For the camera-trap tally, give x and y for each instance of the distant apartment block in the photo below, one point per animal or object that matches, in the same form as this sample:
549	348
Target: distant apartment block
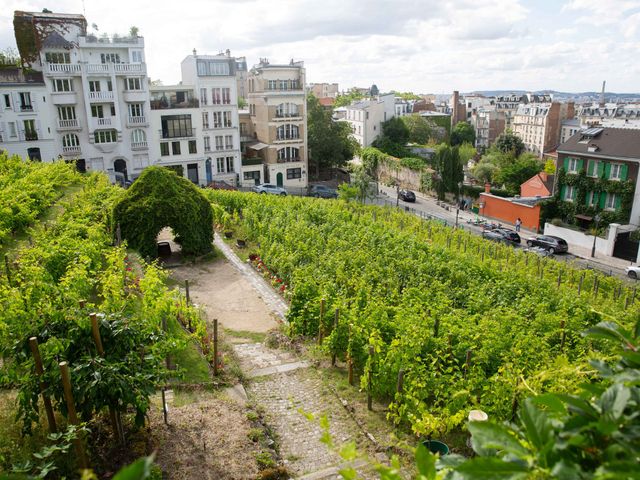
488	125
538	124
324	90
278	114
612	115
366	117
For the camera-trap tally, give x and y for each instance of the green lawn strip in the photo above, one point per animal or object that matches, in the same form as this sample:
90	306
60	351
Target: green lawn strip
245	334
189	359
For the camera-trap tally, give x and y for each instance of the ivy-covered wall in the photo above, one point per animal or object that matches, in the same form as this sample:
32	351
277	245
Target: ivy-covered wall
591	185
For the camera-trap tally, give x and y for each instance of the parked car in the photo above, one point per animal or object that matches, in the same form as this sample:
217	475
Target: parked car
509	236
407	195
632	271
548	242
269	188
492	235
322	191
220	185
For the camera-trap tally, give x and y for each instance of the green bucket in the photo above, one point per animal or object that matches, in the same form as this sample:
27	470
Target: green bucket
435	446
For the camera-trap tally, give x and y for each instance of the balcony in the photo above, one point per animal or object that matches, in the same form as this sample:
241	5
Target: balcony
136	121
135	96
185	133
129	68
165	103
98	68
100	96
70	151
63	98
73	124
63	69
103	122
26	108
289	160
139	146
247	162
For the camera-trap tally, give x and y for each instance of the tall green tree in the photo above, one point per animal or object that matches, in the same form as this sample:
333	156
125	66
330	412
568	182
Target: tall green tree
330	143
421	130
393	138
449	172
519	171
462	133
509	142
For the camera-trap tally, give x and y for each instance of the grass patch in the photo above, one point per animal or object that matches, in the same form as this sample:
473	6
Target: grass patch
256	337
189	360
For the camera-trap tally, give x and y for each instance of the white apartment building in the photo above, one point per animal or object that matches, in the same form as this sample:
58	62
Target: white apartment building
568	129
612	115
277	100
538	125
95	103
366	117
488	124
403	107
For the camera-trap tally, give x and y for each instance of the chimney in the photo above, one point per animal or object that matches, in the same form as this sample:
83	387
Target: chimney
455	107
228	52
602	94
194	52
487	186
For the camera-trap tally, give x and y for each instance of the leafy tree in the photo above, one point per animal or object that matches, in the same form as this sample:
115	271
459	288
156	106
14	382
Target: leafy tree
348	98
550	167
509	142
373	91
421	130
330	143
361	180
393	138
515	174
449	170
467	151
484	172
133	31
463	133
406	95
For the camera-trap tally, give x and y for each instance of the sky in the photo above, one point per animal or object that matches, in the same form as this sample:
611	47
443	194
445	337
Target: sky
422	46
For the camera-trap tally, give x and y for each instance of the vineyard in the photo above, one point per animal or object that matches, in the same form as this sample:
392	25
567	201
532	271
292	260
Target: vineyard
83	324
456	321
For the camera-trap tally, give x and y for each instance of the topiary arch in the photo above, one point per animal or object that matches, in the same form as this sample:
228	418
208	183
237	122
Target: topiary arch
159	198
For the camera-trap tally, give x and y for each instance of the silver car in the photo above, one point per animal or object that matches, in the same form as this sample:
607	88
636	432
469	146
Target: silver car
269	188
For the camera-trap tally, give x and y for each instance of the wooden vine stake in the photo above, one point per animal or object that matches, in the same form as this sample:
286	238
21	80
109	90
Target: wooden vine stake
7	269
72	416
514	403
336	319
370	379
349	359
436	327
35	351
188	299
215	346
118	235
400	383
580	283
563	335
320	324
467	364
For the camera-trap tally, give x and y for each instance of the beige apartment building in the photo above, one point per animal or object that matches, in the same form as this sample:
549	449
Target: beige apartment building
538	125
324	90
278	116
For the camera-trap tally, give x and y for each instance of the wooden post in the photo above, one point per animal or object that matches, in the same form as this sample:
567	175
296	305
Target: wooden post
7	269
467	363
349	359
370	379
633	298
436	327
563	335
118	235
336	318
400	382
82	304
514	403
215	346
596	286
95	331
580	283
71	412
320	323
35	351
559	278
186	287
626	301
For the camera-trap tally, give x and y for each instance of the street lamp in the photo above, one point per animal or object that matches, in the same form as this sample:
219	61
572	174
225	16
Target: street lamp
458	203
595	235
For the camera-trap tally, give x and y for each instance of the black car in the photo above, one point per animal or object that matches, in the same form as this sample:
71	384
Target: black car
407	195
322	191
509	236
548	242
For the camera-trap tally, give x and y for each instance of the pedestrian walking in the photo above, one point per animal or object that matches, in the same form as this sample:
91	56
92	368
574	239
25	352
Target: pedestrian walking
518	224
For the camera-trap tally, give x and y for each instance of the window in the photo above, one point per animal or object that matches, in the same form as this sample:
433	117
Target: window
113	110
229	162
105	136
57	57
136	110
592	199
205	120
228	142
110	58
133	84
216	96
109	86
220	164
255	175
67	113
138	136
70	140
217	119
287	132
25	102
288	154
136	56
175	148
594	168
287	110
192	146
226	119
207	144
226	96
612	201
219	142
212	68
272	84
13	131
30	132
616	171
203	96
34	154
573	165
294	173
174	126
7	100
62	85
569	193
164	149
94	85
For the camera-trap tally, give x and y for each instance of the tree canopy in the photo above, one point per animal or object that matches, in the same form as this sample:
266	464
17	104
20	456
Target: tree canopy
463	133
346	98
158	199
448	170
509	142
330	143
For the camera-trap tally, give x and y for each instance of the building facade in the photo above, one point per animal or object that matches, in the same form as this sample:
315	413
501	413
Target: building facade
488	125
538	125
278	114
367	116
615	115
324	90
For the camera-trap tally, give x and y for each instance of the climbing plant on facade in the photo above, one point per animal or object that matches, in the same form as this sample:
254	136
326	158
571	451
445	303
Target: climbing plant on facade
158	199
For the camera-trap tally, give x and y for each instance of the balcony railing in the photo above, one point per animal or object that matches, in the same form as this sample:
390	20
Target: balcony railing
289	160
100	96
185	133
114	40
138	120
26	108
287	137
104	122
167	103
63	68
64	124
288	115
139	145
96	68
75	149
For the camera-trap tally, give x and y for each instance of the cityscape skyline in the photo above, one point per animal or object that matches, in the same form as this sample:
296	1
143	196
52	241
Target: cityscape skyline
425	47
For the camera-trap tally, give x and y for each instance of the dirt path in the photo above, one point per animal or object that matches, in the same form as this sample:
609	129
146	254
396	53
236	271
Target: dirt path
280	383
